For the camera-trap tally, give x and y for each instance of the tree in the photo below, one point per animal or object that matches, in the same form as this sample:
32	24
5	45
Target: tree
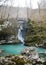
2	4
43	4
30	9
17	10
27	8
39	7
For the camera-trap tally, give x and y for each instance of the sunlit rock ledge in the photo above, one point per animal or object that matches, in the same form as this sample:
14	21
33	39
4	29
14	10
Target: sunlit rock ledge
10	42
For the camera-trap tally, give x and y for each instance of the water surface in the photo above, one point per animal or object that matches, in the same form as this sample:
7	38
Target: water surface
16	49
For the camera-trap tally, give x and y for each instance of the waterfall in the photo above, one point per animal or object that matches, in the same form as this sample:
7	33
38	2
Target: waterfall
20	35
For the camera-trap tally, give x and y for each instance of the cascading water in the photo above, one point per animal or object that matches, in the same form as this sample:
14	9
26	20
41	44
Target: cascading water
20	35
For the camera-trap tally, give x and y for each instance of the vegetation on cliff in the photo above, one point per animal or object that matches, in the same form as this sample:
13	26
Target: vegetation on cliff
36	33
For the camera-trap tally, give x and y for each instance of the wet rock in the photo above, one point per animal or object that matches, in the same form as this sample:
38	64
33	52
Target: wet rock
31	53
1	50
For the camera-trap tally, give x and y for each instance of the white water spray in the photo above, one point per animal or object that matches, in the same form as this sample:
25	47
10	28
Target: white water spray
20	37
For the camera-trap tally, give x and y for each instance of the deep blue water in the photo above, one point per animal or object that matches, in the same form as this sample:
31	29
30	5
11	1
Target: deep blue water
16	49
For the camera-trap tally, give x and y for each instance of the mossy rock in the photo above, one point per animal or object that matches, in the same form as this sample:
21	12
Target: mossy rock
18	61
35	39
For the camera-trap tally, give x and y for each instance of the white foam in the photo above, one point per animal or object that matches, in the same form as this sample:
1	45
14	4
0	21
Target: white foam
20	37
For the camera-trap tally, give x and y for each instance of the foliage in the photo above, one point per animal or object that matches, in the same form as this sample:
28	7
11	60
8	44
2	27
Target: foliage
37	34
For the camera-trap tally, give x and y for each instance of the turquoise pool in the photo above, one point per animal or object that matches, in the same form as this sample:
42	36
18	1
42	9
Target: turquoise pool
16	49
12	49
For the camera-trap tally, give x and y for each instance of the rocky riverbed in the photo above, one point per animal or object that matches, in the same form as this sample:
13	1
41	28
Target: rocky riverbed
20	60
28	57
